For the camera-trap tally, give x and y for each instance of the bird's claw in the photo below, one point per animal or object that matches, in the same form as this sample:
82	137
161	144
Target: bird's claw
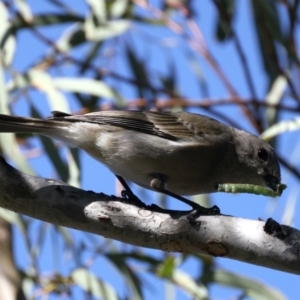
129	197
202	211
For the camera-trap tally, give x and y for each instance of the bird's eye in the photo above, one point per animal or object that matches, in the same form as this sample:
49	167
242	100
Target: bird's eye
263	154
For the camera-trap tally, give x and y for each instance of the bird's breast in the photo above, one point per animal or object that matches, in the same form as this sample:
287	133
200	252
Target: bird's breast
189	167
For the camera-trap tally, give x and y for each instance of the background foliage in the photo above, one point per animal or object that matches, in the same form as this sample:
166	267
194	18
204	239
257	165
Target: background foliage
237	61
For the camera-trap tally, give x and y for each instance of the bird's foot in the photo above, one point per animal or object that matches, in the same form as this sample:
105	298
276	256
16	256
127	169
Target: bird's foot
199	210
131	198
192	215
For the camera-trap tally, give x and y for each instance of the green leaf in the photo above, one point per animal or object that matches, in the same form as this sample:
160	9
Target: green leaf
90	56
187	283
28	284
274	96
93	285
198	72
167	268
138	69
84	85
169	81
14	219
149	21
8	140
136	256
226	9
109	30
96	17
7	40
11	149
67	171
19	81
118	8
24	10
98	11
252	288
51	149
131	278
40	233
44	82
180	279
73	169
281	127
268	30
290	209
202	199
72	37
66	235
45	20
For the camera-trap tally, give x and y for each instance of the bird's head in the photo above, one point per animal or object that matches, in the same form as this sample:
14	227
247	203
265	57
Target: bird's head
260	157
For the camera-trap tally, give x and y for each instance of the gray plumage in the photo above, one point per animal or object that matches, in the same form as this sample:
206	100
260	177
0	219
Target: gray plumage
191	152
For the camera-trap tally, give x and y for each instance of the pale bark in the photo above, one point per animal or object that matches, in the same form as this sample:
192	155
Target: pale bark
56	202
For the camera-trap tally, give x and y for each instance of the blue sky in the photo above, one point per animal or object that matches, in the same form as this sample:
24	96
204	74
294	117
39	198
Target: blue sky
96	177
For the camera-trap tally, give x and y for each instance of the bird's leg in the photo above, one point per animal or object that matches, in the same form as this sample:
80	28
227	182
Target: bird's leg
158	184
128	195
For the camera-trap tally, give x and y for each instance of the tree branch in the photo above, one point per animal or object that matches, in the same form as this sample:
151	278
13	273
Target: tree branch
56	202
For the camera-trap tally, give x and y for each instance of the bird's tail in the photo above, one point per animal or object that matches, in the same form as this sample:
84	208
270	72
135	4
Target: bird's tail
28	125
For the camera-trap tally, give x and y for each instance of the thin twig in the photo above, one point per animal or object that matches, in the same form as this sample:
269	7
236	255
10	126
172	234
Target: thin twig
209	102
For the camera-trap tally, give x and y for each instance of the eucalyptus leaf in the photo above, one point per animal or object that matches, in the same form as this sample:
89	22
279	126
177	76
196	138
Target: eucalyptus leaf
84	85
90	283
98	11
118	8
7	40
290	210
274	96
74	171
71	37
44	82
45	20
24	10
253	289
281	127
8	140
13	218
28	284
188	284
109	30
167	268
131	278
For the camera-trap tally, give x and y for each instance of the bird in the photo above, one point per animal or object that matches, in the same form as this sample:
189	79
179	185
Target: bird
176	153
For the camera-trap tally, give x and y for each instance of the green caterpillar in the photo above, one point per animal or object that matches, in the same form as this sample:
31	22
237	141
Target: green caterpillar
250	189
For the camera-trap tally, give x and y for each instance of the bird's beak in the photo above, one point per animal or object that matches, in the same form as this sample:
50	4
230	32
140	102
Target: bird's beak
272	182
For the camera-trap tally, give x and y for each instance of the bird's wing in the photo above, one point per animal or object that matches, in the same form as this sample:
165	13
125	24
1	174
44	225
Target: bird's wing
171	126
